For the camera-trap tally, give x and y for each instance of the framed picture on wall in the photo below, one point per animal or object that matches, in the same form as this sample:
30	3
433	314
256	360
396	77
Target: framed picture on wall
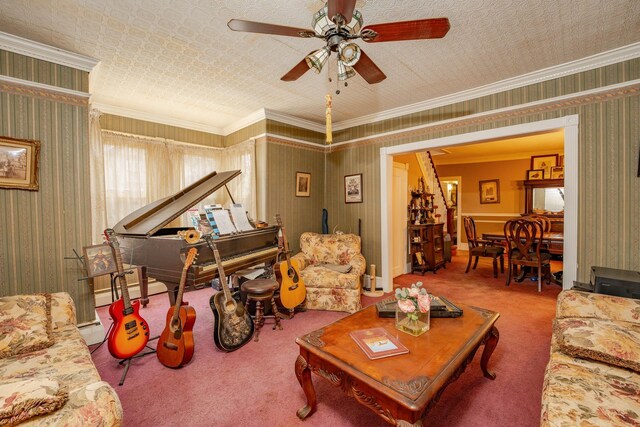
303	184
353	188
98	260
557	172
19	160
535	174
490	191
545	163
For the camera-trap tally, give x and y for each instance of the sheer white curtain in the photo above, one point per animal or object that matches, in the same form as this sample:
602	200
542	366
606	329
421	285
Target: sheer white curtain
96	166
139	170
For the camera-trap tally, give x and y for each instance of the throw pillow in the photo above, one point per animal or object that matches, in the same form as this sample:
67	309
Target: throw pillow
338	267
615	343
24	399
25	324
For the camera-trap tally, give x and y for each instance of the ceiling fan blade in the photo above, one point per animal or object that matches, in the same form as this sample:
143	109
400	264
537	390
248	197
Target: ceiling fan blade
368	69
343	7
408	30
296	72
263	28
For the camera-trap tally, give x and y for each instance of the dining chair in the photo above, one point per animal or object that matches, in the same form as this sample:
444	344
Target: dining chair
482	248
523	238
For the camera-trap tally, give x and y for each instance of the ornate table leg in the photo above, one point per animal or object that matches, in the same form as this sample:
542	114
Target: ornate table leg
490	343
303	373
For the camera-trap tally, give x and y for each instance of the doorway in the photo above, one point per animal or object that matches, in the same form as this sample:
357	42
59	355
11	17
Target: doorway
568	125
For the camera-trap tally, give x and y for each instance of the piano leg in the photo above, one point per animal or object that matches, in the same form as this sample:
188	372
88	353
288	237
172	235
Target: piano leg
143	281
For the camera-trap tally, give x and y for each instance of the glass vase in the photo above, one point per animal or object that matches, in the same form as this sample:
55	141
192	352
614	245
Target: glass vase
416	323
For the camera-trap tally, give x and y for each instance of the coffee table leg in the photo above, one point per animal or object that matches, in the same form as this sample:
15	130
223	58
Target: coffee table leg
303	373
491	341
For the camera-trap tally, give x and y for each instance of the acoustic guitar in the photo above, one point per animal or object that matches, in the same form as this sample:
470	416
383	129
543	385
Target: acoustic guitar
292	289
233	326
130	332
175	345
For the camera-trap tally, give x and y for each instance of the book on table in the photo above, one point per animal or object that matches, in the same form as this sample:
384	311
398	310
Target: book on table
378	343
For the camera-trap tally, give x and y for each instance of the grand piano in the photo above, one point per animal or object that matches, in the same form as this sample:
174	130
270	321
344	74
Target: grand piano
145	240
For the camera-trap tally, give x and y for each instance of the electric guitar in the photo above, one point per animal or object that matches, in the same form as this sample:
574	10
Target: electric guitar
175	345
292	289
233	326
130	332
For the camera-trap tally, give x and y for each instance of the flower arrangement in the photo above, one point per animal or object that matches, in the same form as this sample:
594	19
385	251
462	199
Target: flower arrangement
413	300
414	304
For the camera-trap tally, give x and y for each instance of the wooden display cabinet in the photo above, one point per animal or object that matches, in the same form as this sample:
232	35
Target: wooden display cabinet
426	242
420	209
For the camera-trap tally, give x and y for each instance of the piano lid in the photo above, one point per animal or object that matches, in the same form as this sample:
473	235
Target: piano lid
147	220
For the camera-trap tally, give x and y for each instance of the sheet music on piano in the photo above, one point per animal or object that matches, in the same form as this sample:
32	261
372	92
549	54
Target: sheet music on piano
240	219
223	221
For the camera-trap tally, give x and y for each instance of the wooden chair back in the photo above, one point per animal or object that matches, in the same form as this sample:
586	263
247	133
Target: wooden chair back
523	237
546	222
470	231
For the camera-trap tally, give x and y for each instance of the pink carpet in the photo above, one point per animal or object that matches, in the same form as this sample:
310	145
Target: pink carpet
256	385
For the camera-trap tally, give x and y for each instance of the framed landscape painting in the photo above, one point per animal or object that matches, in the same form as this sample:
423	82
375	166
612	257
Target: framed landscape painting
19	160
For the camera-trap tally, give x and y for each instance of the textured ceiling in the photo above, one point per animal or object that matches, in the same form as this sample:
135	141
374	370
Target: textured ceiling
178	59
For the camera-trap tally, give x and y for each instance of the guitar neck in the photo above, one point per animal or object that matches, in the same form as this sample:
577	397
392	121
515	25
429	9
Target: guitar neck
183	280
124	288
285	243
221	276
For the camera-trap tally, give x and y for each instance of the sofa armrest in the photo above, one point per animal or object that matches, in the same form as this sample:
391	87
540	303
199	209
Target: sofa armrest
358	264
586	304
302	260
63	310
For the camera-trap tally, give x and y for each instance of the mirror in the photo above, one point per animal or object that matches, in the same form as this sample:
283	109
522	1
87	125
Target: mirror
548	199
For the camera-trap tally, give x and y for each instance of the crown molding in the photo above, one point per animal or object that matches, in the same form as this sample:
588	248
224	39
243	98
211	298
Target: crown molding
46	53
43	87
589	63
255	117
154	118
295	121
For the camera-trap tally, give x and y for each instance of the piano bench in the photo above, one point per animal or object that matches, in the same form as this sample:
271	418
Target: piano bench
262	290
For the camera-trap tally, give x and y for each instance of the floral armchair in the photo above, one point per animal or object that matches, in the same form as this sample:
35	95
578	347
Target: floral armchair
331	267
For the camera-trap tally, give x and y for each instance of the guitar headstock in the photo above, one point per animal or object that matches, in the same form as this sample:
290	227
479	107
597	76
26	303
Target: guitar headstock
191	256
110	236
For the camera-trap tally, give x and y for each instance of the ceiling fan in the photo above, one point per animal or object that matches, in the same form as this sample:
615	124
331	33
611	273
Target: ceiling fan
338	23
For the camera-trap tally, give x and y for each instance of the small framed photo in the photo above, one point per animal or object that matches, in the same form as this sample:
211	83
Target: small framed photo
490	191
545	163
353	188
19	160
557	172
303	184
99	260
535	174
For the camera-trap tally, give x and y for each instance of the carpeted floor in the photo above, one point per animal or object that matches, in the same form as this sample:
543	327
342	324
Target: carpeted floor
256	385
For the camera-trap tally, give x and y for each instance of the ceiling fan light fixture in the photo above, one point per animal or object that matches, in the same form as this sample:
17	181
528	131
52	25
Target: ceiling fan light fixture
321	22
317	59
355	24
349	53
344	72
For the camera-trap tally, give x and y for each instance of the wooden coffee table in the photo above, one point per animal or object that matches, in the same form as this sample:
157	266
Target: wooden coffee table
400	389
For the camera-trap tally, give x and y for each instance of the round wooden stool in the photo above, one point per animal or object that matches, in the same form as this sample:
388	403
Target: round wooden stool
260	290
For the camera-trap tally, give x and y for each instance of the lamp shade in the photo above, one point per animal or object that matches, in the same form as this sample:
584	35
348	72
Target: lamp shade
356	22
344	72
317	59
349	53
320	22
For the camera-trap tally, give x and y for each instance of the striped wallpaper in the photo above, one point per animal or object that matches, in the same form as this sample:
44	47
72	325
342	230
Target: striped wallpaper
40	228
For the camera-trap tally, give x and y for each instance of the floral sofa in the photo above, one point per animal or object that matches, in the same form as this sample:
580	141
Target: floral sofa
331	267
47	377
593	375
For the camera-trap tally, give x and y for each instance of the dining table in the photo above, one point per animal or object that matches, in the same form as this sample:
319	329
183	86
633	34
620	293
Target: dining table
551	241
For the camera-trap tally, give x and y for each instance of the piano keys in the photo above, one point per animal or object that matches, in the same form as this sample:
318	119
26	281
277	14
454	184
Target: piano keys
146	240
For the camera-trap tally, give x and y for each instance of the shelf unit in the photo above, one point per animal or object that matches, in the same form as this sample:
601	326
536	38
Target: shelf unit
426	244
420	209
